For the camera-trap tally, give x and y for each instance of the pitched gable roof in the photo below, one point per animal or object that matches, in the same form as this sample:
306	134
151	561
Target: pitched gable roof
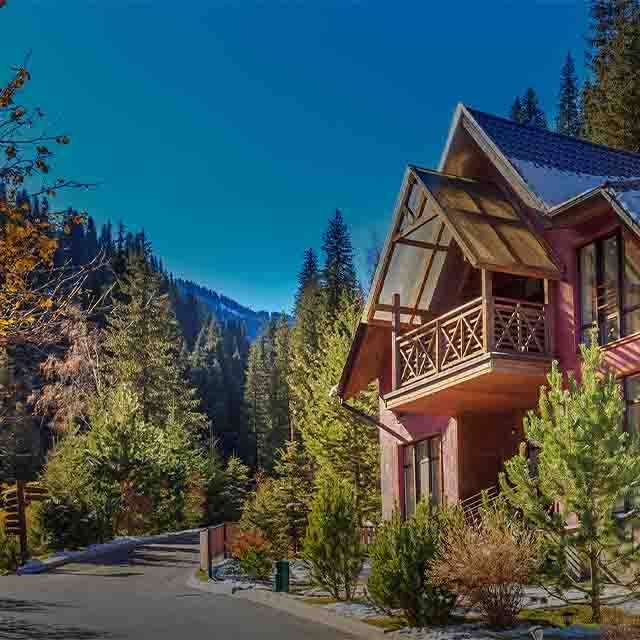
555	167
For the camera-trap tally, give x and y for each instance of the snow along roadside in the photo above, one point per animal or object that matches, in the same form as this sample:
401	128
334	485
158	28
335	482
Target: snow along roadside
125	543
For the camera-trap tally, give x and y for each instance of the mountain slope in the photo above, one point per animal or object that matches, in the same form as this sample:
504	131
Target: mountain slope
224	308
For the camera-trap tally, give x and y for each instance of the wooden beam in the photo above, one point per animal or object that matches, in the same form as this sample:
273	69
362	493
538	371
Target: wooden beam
453	227
520	270
426	274
423	245
549	316
487	304
413	227
388	249
395	333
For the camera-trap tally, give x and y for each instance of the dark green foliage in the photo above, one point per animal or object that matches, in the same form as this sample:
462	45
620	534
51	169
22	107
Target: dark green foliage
586	464
294	490
266	393
336	439
217	365
569	118
332	546
263	512
526	110
143	348
72	526
400	562
612	98
339	274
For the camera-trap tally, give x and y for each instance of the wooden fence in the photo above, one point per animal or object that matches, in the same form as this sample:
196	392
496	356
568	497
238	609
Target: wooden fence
215	542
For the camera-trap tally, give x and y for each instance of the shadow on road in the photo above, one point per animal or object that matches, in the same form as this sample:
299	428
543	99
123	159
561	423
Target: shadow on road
13	605
16	629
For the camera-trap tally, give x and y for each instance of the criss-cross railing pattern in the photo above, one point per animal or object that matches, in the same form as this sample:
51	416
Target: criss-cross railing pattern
518	327
446	341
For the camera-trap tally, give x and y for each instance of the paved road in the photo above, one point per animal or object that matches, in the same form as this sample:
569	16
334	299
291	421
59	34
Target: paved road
139	594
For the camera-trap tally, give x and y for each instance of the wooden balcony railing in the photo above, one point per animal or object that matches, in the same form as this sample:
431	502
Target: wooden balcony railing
484	325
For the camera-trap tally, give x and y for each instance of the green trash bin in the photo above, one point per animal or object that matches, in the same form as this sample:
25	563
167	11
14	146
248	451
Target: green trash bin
282	576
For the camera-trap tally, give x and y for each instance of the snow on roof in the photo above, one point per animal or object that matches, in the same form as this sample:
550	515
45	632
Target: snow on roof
627	194
557	167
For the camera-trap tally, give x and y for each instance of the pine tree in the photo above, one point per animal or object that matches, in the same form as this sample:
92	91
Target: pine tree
569	119
256	402
280	384
516	113
532	114
612	99
206	375
586	464
339	275
294	490
144	346
332	547
309	275
337	440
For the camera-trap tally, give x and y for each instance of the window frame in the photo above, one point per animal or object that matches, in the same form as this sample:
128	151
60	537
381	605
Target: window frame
601	318
417	489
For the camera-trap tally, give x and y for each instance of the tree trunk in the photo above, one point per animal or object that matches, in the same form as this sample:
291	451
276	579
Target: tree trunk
595	587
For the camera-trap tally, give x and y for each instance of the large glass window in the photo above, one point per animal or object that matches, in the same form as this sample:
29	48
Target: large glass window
600	295
631	284
422	474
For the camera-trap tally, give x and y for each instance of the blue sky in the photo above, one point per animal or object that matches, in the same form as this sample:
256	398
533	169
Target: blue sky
231	130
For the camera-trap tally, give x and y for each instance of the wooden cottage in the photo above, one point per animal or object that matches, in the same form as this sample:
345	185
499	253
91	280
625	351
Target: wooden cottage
493	266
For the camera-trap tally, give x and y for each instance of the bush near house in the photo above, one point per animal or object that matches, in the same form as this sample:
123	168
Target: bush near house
401	560
253	551
263	512
488	562
332	546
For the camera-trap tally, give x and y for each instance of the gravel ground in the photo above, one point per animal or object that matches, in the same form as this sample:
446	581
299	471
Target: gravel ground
230	571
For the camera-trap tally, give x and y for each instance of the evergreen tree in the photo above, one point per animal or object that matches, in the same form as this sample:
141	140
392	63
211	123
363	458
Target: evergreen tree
280	384
532	114
339	275
310	314
294	490
612	99
267	392
206	374
256	401
143	346
586	464
332	547
337	440
516	113
569	119
309	275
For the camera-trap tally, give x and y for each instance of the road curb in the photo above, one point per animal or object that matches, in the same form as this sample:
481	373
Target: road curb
288	604
42	566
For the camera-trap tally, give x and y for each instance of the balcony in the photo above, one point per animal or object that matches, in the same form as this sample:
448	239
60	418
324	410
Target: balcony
490	354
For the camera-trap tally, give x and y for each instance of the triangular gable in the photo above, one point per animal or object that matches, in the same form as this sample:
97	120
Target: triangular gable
435	209
547	169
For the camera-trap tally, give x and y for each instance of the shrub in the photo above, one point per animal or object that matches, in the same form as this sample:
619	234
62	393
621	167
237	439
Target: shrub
489	562
9	549
252	549
263	511
332	547
401	559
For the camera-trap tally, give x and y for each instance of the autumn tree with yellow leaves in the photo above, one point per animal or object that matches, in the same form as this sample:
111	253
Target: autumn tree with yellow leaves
36	297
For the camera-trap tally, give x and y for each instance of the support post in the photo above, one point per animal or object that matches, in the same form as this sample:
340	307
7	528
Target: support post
395	334
22	519
549	329
488	312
